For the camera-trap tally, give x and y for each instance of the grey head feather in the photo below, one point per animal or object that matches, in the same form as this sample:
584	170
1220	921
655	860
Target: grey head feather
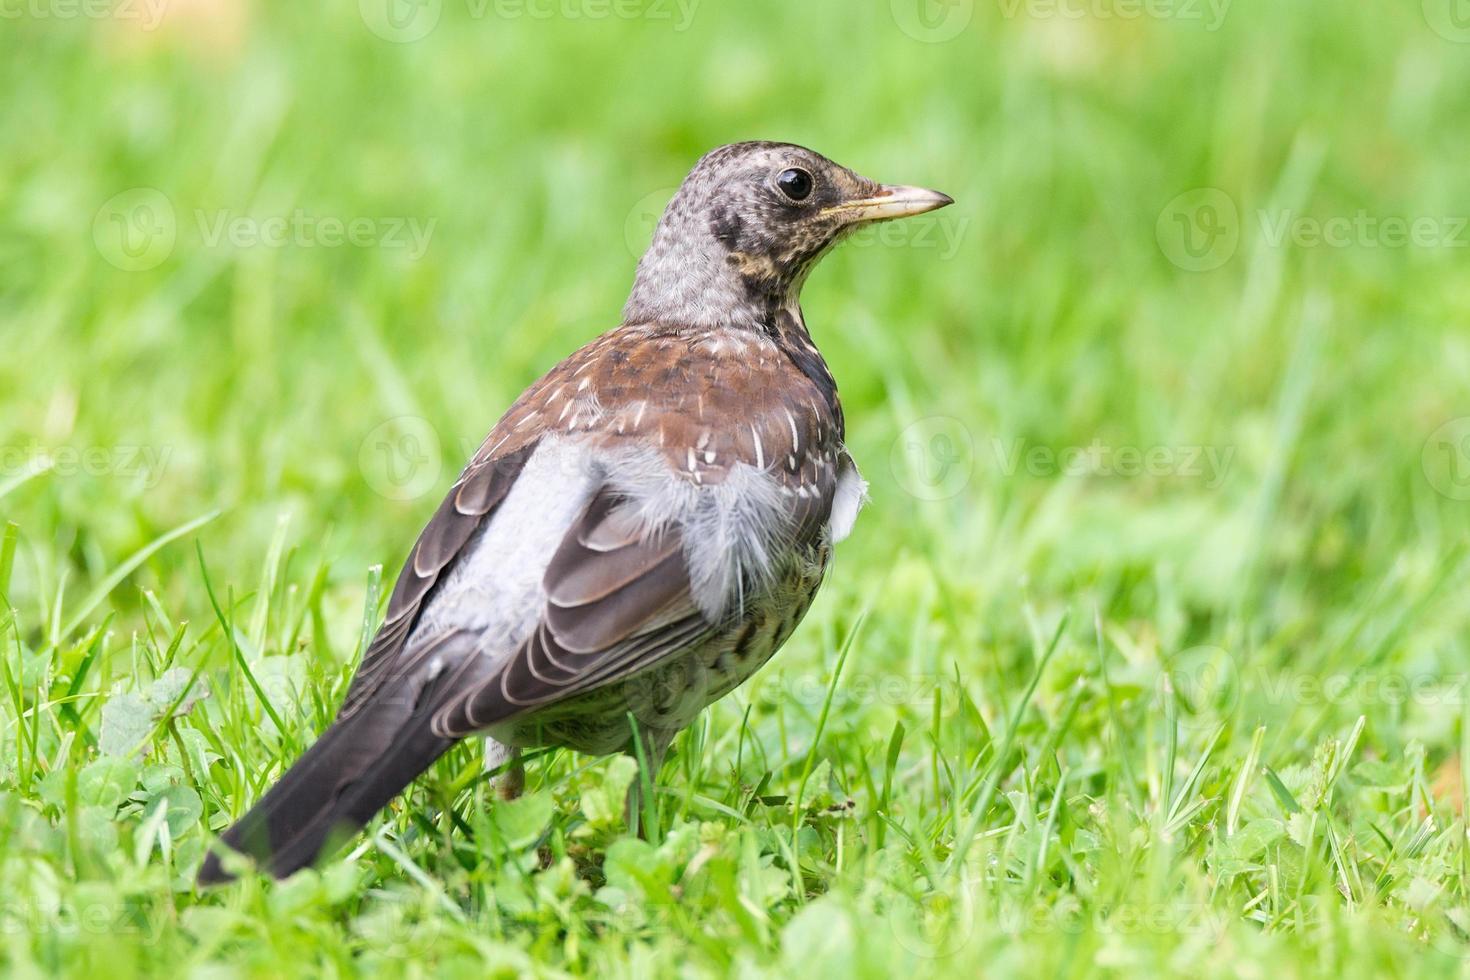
731	249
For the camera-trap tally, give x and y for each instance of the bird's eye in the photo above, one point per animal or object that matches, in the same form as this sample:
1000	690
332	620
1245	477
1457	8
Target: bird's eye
795	184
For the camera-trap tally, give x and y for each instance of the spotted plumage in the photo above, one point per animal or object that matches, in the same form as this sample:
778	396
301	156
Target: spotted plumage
639	533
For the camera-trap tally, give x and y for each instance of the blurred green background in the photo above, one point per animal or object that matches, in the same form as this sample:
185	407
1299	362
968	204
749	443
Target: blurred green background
1183	375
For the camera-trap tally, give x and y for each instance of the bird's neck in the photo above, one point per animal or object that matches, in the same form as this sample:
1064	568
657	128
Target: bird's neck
704	284
685	291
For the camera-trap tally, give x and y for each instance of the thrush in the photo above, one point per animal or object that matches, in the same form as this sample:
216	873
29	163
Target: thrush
637	535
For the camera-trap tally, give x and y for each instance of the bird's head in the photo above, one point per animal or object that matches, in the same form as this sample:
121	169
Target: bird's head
748	224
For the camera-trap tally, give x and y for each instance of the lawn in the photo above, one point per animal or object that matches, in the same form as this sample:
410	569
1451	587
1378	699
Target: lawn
1149	653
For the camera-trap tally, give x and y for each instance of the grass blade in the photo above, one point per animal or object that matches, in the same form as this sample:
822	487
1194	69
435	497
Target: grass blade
105	587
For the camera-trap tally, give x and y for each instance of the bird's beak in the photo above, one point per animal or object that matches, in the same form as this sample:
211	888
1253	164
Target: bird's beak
891	201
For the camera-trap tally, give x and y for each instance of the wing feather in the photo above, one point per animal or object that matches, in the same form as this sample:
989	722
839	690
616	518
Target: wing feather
463	511
617	602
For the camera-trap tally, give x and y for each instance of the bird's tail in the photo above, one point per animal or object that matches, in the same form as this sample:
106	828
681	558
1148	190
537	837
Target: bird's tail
360	763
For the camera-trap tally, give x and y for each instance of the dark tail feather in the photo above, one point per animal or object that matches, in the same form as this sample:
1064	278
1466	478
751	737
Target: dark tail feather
347	776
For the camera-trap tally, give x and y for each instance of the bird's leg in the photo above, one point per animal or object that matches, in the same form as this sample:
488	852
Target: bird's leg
650	747
509	784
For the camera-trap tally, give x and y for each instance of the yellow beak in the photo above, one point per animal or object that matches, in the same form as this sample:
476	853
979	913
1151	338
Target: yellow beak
891	201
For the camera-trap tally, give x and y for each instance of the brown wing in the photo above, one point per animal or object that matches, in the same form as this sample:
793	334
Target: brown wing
616	602
708	401
465	509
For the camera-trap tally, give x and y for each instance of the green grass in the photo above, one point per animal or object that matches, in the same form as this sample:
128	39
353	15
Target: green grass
1197	707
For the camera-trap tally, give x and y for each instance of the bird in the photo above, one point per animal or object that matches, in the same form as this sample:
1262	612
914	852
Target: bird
637	535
